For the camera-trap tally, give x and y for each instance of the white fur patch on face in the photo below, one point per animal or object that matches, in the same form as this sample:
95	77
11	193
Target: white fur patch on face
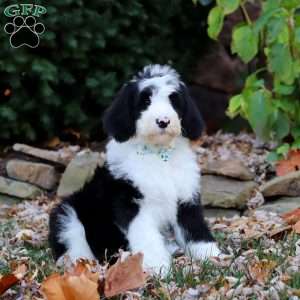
72	235
160	109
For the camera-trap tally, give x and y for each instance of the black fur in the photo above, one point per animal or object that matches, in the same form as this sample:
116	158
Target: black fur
192	122
102	206
119	120
190	218
106	205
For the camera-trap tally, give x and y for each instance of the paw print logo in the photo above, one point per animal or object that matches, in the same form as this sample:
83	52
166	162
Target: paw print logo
24	32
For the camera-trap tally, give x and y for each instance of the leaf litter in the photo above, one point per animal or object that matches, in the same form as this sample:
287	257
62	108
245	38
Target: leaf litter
260	260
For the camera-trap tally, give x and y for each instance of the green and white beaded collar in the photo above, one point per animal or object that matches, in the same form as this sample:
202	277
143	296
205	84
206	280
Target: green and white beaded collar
164	153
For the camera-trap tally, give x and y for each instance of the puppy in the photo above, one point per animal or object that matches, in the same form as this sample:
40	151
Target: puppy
150	182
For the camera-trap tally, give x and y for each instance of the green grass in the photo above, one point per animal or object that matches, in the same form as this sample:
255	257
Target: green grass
295	281
40	262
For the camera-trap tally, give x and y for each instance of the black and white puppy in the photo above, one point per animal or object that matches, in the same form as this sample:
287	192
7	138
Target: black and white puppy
151	179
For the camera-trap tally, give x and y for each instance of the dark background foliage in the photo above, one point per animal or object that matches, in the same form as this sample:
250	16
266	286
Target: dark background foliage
88	50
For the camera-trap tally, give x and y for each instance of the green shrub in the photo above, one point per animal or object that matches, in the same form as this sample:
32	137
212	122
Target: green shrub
270	98
88	50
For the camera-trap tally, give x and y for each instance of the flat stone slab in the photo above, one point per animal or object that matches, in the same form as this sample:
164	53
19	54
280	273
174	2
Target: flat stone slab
38	174
8	200
281	205
224	192
230	168
62	156
18	189
220	212
79	171
287	185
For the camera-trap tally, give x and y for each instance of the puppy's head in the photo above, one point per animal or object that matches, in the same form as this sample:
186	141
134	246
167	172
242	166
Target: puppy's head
154	106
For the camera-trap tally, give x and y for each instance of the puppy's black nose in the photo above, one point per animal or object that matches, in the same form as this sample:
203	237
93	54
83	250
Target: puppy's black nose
163	123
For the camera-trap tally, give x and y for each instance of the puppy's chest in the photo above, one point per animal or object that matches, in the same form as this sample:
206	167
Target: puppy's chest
165	182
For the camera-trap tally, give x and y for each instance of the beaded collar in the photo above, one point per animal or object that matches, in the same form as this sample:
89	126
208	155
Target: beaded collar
164	153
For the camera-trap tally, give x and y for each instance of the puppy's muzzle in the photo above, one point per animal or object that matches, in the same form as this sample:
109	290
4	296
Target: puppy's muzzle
163	123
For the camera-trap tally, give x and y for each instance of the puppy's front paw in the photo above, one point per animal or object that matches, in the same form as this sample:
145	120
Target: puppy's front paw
202	250
157	265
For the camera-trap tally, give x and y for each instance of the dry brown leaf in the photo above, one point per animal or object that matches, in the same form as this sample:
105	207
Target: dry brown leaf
79	284
79	288
52	288
278	233
290	164
124	276
53	142
251	234
260	271
292	217
296	227
82	267
7	281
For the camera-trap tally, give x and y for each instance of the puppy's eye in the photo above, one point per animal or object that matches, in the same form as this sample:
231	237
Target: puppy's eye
145	97
147	101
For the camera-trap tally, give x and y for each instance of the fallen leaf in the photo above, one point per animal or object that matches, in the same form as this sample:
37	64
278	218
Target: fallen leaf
124	276
84	268
292	217
251	234
79	288
260	271
52	288
296	227
290	164
7	281
278	233
53	142
78	284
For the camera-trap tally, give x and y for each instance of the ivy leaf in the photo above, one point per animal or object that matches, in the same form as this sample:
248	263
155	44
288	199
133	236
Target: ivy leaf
235	105
229	6
215	22
245	43
283	149
280	63
264	19
259	112
286	105
290	4
272	157
297	36
274	28
252	82
280	126
296	144
296	132
283	89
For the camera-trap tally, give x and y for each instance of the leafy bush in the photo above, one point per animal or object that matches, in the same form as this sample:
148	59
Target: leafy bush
88	50
270	98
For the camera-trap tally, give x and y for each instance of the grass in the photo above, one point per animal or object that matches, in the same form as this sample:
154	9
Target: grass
205	277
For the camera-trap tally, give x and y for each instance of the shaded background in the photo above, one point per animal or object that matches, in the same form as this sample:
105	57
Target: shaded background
90	48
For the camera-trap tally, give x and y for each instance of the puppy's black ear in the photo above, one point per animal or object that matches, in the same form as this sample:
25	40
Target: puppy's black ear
118	120
192	122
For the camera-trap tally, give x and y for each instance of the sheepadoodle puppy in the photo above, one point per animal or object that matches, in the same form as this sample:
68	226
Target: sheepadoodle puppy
150	182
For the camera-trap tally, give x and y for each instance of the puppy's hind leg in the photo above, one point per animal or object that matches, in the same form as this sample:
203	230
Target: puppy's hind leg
70	233
192	232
